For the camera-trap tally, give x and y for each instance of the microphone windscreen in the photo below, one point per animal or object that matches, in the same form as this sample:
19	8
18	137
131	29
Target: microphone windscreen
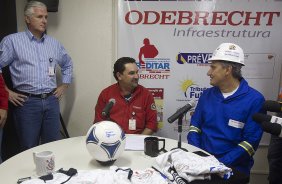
258	117
112	100
192	103
272	128
271	106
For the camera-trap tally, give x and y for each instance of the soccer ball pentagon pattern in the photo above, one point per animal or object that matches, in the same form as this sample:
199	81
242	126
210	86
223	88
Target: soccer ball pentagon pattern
105	141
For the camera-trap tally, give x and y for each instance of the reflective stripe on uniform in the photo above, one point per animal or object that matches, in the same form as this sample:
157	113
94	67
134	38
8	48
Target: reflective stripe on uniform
248	147
194	129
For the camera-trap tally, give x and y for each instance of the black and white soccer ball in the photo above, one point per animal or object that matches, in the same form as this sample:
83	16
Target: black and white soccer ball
105	141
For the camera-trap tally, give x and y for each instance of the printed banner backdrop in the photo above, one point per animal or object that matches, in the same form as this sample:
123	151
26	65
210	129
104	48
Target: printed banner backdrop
172	41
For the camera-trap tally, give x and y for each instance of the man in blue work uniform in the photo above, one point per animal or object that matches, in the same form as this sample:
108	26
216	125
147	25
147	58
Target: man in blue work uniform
222	122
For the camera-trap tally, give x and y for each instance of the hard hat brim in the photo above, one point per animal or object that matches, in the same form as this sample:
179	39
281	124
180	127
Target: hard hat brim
220	59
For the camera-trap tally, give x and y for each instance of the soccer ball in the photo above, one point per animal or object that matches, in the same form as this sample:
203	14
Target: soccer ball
105	141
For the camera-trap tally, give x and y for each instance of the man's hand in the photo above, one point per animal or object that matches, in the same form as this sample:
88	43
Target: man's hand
16	98
147	131
3	117
60	90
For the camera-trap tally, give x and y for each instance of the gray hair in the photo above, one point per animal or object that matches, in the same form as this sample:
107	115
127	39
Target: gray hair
236	68
28	9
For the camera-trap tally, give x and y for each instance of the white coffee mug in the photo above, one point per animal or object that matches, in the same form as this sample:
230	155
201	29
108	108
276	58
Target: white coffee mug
44	162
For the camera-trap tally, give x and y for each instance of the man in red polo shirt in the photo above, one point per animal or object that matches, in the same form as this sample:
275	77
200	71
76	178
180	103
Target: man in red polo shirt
134	108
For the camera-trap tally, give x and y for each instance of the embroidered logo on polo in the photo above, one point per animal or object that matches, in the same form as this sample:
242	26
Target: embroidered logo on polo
136	107
153	106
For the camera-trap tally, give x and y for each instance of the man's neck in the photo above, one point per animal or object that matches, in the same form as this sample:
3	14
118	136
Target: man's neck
36	34
229	85
125	90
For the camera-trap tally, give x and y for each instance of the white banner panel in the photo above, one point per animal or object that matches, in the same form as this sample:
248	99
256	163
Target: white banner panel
172	40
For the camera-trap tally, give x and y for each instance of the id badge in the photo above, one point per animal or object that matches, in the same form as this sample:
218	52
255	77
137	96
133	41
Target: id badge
51	71
132	124
236	124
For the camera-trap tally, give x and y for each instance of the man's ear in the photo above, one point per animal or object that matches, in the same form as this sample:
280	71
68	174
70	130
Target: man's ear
229	70
26	18
119	75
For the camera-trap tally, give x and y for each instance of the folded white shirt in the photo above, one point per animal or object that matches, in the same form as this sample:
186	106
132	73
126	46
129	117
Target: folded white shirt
191	166
114	175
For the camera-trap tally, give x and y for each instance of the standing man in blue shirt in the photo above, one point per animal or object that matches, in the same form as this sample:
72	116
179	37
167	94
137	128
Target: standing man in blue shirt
32	57
222	122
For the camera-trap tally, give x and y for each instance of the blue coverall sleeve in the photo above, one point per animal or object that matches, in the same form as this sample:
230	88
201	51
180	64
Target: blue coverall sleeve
194	133
251	137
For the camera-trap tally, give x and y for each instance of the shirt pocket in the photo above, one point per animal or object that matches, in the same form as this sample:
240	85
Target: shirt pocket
139	115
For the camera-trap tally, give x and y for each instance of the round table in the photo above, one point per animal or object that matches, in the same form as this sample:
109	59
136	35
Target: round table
72	153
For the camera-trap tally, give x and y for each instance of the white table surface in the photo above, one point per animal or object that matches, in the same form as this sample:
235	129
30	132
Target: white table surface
72	153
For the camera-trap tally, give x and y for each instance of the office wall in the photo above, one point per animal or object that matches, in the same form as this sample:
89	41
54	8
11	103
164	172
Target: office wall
85	28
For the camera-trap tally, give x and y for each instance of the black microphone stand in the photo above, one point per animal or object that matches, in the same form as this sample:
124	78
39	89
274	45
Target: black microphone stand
107	116
179	127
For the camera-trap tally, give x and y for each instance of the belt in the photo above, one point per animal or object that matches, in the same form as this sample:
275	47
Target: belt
43	95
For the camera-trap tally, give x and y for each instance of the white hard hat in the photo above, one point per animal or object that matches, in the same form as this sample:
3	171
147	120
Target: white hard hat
228	52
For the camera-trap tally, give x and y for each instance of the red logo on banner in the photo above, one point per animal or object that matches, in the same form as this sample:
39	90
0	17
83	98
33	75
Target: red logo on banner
150	66
147	51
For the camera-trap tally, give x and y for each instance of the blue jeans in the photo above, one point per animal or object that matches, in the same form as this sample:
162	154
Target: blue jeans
38	120
275	160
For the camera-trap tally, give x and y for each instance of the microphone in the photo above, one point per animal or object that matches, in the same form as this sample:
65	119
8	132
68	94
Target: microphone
272	128
181	111
269	124
272	106
108	107
259	117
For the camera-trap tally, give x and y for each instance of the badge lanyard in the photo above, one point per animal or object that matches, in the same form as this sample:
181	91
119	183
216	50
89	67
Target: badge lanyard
51	70
132	122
